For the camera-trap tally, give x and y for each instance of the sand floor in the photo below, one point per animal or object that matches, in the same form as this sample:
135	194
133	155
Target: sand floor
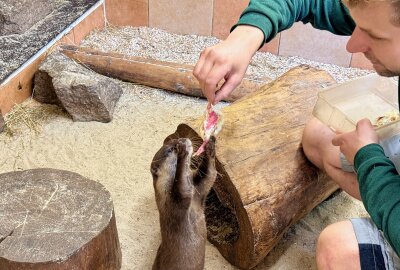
118	155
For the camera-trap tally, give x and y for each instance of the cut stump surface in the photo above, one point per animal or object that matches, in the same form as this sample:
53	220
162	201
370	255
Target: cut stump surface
54	219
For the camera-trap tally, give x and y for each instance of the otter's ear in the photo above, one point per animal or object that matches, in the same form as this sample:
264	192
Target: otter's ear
169	138
153	170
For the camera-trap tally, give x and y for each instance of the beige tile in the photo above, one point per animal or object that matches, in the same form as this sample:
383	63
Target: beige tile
94	20
182	16
322	46
358	60
225	14
127	12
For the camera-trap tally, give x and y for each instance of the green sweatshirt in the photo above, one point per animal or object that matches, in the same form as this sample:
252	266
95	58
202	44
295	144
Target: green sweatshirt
378	179
380	190
273	16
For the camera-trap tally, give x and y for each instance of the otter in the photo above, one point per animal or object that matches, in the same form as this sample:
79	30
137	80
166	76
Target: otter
181	193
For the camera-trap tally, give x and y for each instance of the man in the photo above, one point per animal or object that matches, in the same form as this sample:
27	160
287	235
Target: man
374	26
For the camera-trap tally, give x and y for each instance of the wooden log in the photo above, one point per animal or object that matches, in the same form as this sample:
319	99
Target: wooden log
159	74
56	220
265	184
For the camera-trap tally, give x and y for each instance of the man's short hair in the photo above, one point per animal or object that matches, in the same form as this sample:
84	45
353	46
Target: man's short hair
395	3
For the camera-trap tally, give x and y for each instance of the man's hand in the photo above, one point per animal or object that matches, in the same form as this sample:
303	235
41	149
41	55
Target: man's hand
353	141
227	60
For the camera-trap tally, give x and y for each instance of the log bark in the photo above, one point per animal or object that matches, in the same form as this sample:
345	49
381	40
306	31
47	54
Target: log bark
158	74
56	220
265	184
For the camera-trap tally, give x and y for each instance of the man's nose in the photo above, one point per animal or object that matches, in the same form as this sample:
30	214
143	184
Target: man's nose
358	42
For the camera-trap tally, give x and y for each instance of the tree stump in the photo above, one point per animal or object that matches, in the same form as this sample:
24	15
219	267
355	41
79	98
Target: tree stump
53	219
265	184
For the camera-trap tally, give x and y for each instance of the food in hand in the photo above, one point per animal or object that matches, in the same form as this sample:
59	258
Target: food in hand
212	125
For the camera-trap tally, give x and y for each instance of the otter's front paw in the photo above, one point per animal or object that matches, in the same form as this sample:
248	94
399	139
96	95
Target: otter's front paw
181	150
210	147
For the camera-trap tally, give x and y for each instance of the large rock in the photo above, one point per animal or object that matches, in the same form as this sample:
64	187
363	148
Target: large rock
43	90
86	95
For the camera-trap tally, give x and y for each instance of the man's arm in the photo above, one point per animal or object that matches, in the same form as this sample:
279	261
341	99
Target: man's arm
378	179
380	191
259	23
273	16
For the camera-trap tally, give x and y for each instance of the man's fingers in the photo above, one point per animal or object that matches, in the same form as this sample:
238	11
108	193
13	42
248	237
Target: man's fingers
337	140
214	77
364	124
197	68
203	67
229	85
366	132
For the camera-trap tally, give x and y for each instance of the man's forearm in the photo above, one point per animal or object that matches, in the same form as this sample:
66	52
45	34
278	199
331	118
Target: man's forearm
252	38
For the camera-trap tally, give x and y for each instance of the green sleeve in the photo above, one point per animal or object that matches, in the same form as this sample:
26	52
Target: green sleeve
379	184
273	16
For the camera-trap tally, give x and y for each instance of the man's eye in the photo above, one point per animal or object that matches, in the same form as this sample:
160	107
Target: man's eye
375	37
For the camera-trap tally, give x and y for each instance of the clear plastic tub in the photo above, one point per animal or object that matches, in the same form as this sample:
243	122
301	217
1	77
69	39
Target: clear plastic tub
372	96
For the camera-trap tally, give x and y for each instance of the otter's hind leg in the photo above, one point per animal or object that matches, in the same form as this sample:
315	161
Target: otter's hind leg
182	187
206	173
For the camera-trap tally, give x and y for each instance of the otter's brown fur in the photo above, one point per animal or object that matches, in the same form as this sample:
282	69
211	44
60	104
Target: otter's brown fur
180	196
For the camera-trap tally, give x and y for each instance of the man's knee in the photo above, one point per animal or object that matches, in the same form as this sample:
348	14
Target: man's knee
337	247
316	138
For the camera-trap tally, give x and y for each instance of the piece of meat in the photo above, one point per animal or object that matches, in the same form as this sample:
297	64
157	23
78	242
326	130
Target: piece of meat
211	126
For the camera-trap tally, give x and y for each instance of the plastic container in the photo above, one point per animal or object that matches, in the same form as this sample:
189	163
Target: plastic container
372	96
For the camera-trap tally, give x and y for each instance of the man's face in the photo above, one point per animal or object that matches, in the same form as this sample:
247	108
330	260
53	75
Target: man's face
376	37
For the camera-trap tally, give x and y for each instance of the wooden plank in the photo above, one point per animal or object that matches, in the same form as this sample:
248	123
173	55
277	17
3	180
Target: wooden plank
18	88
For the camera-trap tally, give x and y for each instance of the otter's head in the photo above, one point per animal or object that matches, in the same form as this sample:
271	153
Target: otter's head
164	162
